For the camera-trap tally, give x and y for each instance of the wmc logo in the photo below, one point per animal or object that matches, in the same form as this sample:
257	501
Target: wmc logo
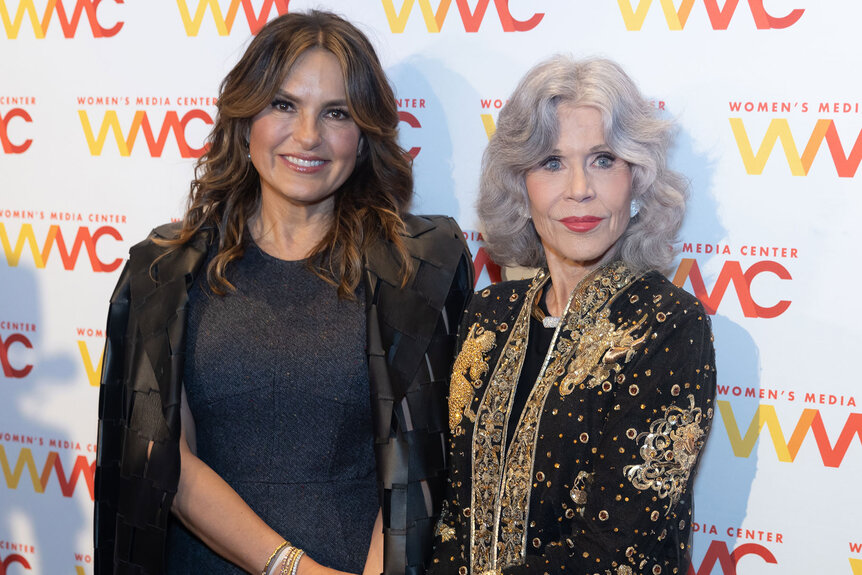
719	18
800	164
68	22
224	21
718	553
9	370
12	559
787	450
10	147
471	19
41	479
732	272
141	123
69	257
92	362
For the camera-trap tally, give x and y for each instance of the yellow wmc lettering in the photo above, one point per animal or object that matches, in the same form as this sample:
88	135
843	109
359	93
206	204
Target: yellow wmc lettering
24	6
110	122
433	22
765	415
79	570
778	129
25	457
93	372
856	566
488	124
634	17
223	24
25	234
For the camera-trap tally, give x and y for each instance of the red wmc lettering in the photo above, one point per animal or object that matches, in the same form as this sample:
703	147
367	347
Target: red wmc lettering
8	146
14	558
413	122
83	238
719	18
731	272
141	122
68	25
8	369
717	553
472	19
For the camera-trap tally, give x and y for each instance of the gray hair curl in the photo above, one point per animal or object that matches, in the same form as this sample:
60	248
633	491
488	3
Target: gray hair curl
527	132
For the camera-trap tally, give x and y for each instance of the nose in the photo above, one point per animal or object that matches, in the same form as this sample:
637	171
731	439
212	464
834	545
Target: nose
307	131
579	187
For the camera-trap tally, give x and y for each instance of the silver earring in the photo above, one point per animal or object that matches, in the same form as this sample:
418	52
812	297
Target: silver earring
248	155
635	208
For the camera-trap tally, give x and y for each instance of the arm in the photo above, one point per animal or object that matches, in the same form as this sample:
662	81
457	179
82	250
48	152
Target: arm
634	509
213	511
374	563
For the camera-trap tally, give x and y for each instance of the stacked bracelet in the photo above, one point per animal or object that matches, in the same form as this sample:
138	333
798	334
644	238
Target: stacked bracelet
271	557
290	563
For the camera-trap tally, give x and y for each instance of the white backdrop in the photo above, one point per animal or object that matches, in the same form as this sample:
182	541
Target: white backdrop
105	104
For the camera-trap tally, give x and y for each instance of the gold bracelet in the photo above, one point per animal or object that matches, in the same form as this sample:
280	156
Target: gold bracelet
295	563
291	559
271	557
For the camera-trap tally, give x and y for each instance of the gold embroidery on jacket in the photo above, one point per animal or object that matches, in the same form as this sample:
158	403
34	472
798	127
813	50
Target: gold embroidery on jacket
501	490
471	361
600	348
669	451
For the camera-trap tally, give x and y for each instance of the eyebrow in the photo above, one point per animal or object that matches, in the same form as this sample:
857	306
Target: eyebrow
288	96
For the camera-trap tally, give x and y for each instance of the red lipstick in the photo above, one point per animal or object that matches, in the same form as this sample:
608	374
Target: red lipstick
581	224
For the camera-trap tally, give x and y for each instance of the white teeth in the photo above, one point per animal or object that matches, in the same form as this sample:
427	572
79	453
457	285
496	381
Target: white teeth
303	163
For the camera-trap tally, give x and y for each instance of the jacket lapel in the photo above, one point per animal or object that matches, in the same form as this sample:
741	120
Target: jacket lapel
160	296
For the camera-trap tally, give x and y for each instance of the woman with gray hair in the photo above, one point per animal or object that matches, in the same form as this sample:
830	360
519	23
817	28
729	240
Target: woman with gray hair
581	397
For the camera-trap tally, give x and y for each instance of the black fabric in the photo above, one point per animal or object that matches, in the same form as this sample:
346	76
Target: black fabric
589	508
261	371
410	345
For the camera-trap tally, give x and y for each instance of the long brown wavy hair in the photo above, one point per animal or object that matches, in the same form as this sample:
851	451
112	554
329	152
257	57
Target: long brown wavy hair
369	206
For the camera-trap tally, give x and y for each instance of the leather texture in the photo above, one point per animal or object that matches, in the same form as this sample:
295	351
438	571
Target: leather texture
410	347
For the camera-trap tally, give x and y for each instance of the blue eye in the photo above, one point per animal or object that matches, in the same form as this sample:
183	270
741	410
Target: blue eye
552	163
604	161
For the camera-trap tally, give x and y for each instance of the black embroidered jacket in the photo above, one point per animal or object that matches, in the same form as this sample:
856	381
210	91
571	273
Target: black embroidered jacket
598	475
410	345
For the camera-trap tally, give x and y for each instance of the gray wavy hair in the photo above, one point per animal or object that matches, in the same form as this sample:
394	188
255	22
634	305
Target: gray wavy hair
527	130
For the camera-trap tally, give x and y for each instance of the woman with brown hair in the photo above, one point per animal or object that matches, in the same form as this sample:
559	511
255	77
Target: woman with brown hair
275	360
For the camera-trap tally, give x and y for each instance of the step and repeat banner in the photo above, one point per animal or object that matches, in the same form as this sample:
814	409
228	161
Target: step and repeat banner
105	105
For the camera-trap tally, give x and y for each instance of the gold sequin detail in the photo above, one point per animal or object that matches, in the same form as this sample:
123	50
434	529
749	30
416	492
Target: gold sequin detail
513	298
674	390
669	452
603	515
486	292
502	479
600	350
570	513
471	361
540	476
633	390
660	317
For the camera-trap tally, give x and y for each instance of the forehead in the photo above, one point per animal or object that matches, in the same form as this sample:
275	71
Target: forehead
316	66
579	125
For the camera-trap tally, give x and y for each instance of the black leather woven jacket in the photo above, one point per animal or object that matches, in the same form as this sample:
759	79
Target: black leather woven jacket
410	346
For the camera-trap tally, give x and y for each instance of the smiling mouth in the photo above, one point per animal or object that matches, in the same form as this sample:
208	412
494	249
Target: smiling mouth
302	163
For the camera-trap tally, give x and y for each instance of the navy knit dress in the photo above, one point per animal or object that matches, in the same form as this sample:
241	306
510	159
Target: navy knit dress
276	379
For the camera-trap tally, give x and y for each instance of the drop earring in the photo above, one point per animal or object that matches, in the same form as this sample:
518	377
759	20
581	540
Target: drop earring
634	208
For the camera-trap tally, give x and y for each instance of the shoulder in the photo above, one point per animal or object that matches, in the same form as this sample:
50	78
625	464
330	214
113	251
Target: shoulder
495	305
429	229
666	306
436	240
